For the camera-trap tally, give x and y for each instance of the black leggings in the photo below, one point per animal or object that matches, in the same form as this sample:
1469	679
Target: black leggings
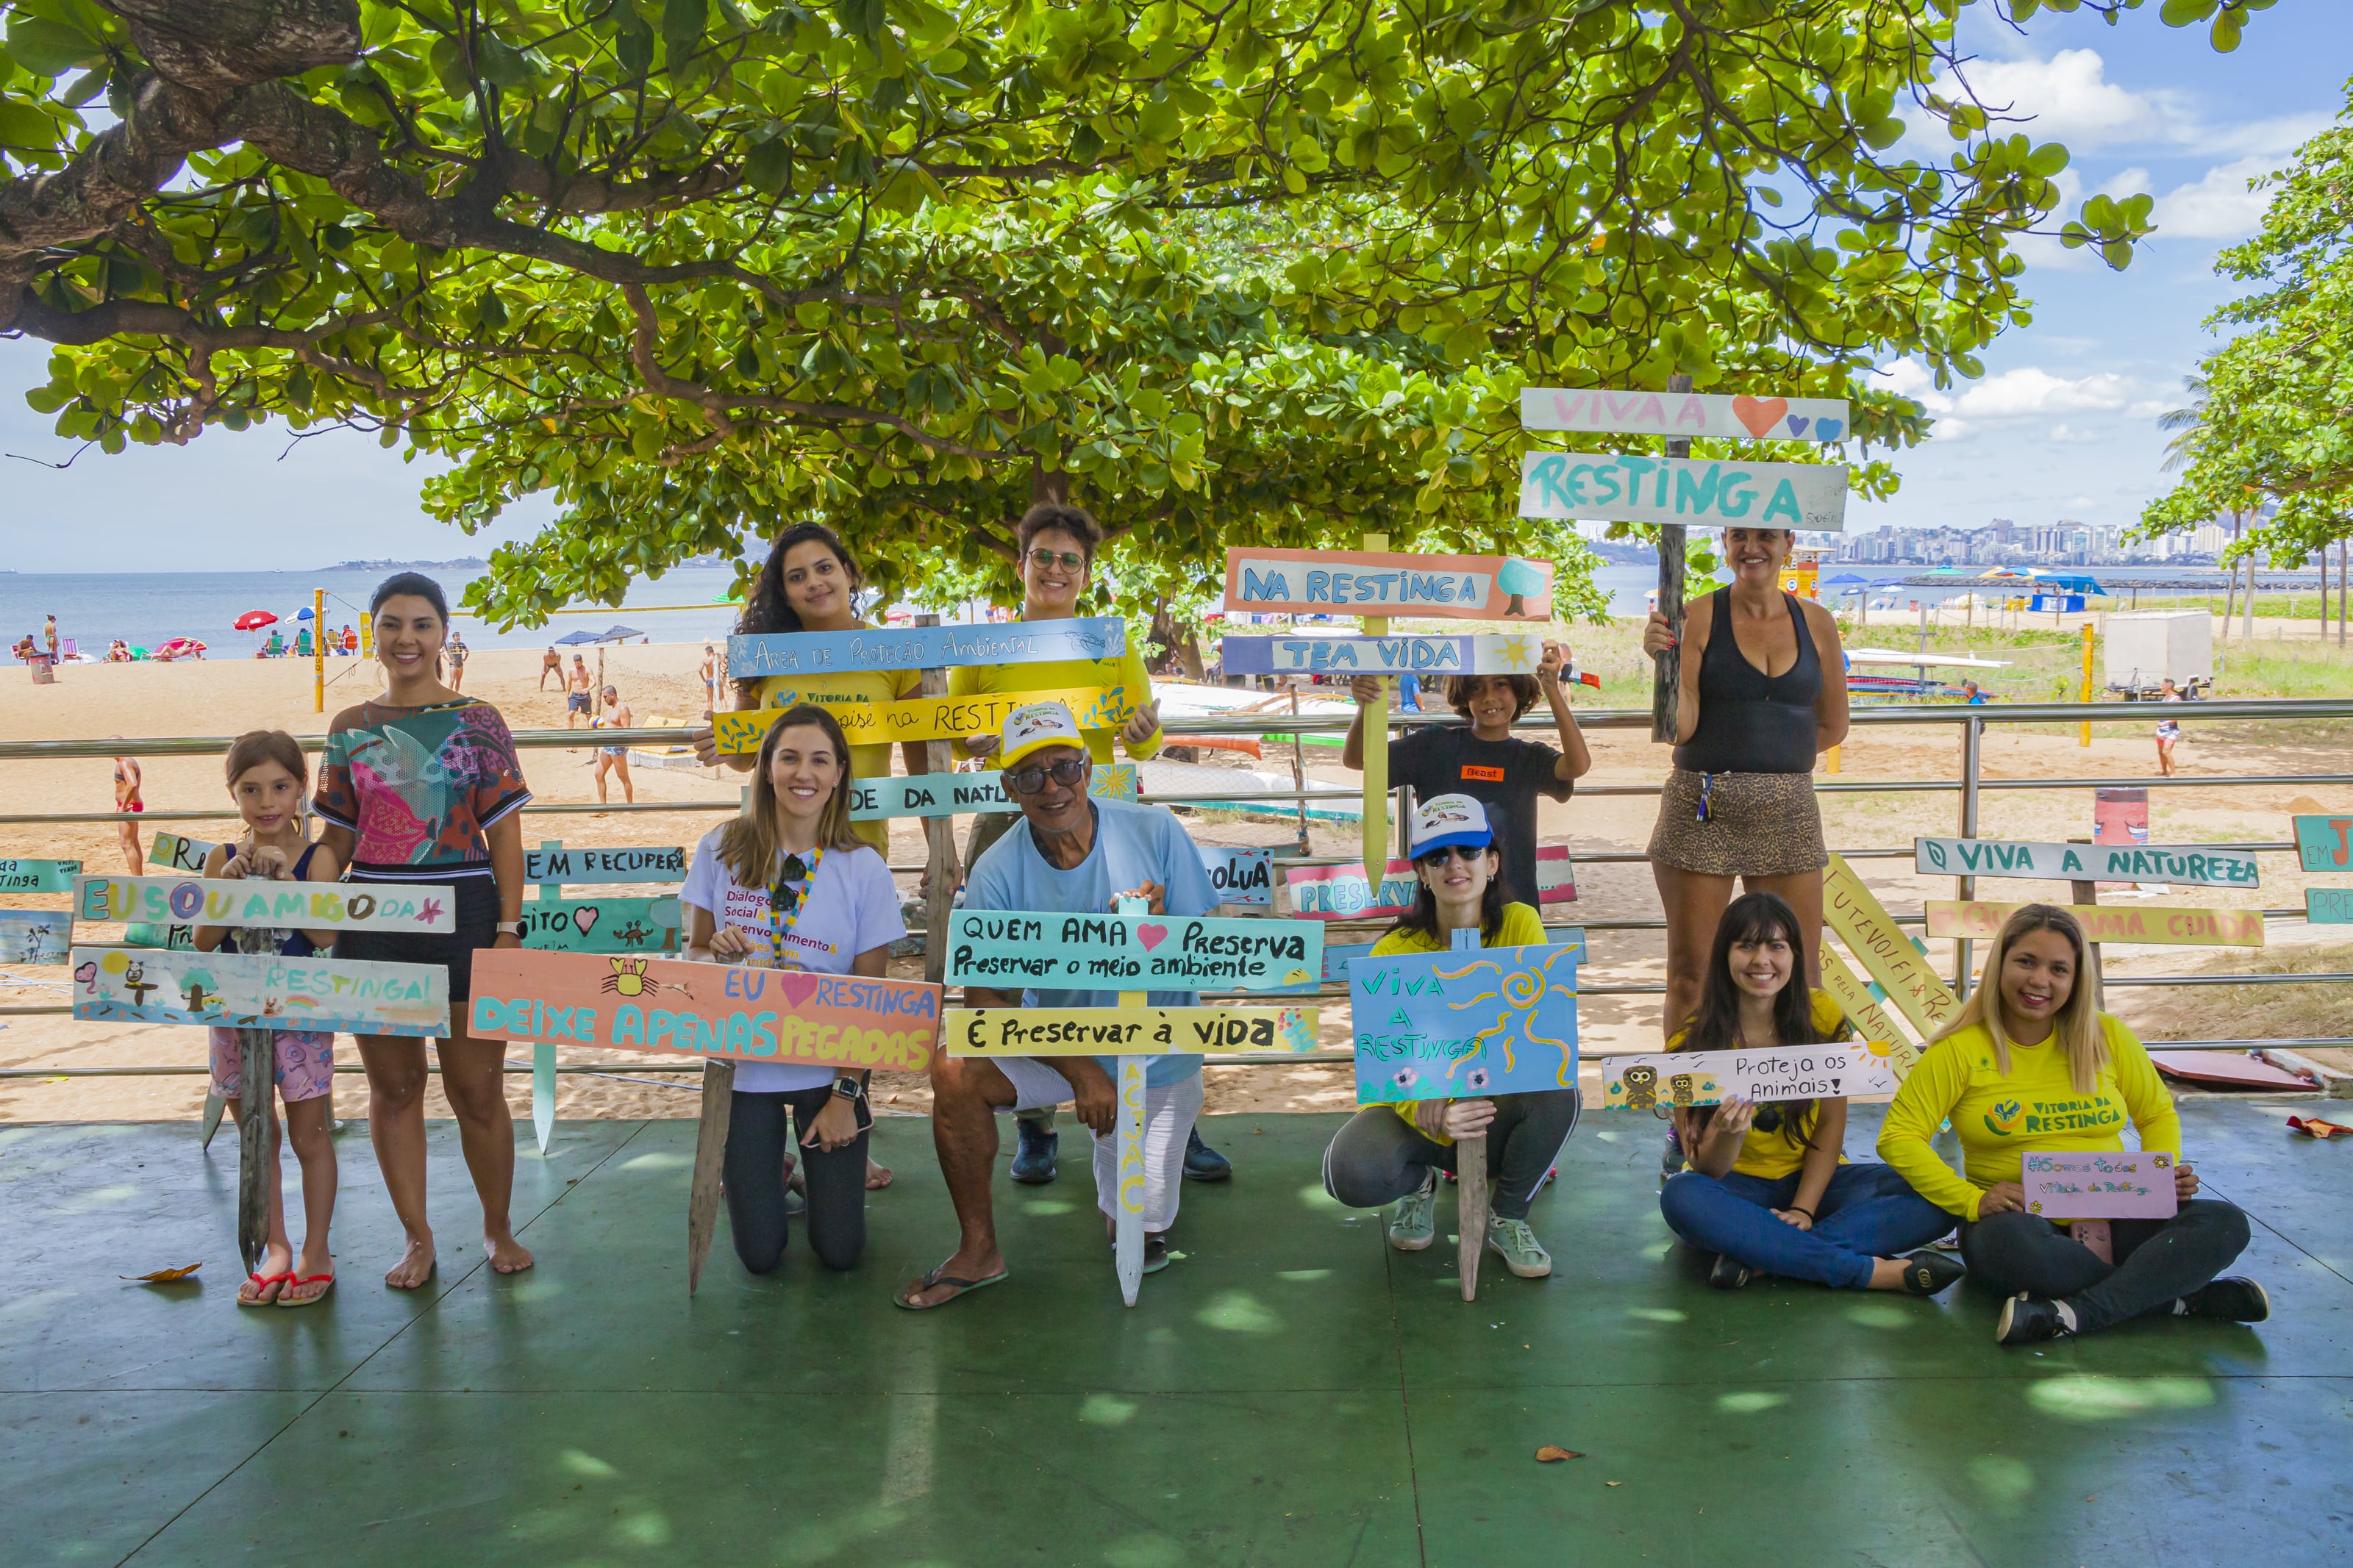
756	1180
1377	1159
2158	1261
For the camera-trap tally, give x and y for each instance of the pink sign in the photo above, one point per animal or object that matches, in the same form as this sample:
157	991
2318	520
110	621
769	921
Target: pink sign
2120	1185
1341	892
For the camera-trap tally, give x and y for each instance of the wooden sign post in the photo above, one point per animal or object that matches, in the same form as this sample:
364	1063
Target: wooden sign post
1884	952
1375	817
1667	678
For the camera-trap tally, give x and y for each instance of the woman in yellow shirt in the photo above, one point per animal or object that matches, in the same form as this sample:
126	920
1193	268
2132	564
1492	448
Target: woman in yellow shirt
1767	1189
2031	1065
1392	1154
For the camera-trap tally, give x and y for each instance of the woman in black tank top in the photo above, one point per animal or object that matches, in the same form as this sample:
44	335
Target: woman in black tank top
1764	693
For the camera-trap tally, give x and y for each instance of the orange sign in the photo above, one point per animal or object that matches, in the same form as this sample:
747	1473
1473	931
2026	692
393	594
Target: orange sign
2163	924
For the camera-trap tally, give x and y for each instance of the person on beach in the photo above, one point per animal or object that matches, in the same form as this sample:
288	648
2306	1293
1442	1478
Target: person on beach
788	885
1768	1189
2169	730
1482	759
1056	544
421	786
708	673
577	694
457	652
267	777
2031	1065
351	640
1068	853
617	716
49	635
550	664
1393	1153
1762	694
127	778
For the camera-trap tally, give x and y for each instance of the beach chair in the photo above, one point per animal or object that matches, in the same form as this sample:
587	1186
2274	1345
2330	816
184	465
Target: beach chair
70	649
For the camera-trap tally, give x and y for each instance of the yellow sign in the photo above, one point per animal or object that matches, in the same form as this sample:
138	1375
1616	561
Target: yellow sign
1125	1031
1884	952
1863	1011
2170	927
930	717
1802	578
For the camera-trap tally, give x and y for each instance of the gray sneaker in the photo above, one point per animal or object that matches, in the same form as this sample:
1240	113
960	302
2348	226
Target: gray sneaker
1516	1245
1415	1222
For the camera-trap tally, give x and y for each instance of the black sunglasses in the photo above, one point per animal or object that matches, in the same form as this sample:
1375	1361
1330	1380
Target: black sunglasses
1466	852
1029	780
784	895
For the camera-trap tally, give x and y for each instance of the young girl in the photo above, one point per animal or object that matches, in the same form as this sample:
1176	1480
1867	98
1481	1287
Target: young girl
788	885
1767	1190
421	786
1390	1152
2031	1065
267	776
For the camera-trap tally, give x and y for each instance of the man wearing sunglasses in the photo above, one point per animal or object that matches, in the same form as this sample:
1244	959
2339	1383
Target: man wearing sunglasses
1068	854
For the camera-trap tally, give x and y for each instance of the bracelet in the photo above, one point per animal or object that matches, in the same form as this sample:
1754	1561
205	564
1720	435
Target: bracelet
1795	1209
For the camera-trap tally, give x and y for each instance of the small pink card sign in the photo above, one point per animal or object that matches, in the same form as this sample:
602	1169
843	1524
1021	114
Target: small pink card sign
2127	1185
730	1011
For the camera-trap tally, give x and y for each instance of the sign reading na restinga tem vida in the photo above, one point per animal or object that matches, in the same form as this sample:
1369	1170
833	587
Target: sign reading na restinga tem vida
1388	583
1696	492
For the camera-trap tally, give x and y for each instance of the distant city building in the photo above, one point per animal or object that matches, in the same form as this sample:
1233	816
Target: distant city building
2002	542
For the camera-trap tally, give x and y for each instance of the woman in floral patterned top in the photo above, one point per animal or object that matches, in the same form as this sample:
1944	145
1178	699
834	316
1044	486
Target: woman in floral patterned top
421	784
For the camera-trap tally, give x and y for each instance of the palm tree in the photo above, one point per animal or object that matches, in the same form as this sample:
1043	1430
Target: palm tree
2187	425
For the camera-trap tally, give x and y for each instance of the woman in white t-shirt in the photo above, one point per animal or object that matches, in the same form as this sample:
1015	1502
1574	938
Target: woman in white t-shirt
788	885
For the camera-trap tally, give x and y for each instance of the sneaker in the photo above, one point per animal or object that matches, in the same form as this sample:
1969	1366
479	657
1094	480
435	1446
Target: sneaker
2026	1322
1033	1156
1516	1245
1415	1223
1729	1273
1203	1163
2232	1300
1155	1252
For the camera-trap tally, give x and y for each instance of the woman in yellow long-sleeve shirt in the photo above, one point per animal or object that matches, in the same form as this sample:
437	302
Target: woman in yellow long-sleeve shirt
2031	1065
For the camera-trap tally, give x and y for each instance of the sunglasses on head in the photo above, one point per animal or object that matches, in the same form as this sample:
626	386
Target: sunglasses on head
1465	852
1029	780
1070	559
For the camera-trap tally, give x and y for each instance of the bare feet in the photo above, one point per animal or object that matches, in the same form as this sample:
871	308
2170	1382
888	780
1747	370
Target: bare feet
878	1175
415	1268
508	1255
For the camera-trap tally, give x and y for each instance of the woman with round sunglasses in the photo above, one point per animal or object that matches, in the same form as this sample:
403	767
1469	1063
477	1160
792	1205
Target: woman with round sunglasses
790	885
1393	1153
1767	1190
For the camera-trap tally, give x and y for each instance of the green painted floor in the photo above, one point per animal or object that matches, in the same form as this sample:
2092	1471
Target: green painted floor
1288	1393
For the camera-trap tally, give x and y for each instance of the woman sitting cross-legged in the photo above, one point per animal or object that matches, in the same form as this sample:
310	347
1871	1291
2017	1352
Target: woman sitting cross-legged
1767	1189
1389	1153
2033	1066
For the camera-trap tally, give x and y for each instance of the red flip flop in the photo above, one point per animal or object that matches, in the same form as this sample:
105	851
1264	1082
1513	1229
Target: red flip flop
300	1280
265	1282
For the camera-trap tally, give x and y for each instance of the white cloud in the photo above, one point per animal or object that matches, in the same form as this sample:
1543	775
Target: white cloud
2064	432
2219	206
2027	392
2070	100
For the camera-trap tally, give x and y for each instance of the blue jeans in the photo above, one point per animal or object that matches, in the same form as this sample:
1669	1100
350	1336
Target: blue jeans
1867	1212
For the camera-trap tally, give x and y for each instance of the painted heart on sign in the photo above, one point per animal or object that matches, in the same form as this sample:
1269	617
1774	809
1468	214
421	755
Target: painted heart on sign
1759	415
798	985
1152	936
1797	422
584	918
1829	429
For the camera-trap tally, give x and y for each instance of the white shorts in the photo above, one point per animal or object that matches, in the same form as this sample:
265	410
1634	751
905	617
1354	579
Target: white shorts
1169	1112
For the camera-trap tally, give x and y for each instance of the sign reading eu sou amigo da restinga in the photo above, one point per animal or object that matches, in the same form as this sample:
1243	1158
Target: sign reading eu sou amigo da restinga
261	901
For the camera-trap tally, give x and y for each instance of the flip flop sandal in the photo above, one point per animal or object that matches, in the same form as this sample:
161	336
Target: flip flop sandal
940	1277
266	1282
299	1281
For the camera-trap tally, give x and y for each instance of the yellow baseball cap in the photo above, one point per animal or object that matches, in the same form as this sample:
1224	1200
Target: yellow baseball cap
1036	726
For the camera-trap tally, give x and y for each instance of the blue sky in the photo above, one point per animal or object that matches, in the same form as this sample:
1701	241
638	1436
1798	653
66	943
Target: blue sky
2062	425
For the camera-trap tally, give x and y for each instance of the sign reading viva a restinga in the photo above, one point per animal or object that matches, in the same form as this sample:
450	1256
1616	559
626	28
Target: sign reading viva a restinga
1598	410
1012	950
924	647
1388	583
1696	492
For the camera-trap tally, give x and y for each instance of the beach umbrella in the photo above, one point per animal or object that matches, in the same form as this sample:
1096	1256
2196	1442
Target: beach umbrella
254	620
570	639
618	634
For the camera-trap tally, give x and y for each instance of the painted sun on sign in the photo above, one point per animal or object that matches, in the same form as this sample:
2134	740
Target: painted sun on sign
1436	1025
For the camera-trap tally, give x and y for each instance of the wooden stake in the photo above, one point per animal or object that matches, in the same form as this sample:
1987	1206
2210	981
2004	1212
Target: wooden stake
710	1162
939	838
1128	1224
2086	893
542	1052
213	1106
1666	691
1376	758
1471	1182
256	1070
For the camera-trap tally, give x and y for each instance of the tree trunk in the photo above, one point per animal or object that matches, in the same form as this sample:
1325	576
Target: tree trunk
1180	646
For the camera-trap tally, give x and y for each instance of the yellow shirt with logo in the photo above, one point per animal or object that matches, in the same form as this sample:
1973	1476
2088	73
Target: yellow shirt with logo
1770	1156
872	761
2032	1109
1520	926
1126	672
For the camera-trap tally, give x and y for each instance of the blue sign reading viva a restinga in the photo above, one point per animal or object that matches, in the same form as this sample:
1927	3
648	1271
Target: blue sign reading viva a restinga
924	647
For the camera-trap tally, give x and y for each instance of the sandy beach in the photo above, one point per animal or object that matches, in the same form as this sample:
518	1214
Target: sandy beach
221	698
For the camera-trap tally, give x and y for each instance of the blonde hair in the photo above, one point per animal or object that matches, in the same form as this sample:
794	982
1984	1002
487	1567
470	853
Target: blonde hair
2077	1027
747	845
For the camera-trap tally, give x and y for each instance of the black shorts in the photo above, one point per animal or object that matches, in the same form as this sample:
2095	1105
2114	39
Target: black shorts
478	926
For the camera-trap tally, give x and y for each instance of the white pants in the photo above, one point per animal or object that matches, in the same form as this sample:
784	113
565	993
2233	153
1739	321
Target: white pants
1169	1112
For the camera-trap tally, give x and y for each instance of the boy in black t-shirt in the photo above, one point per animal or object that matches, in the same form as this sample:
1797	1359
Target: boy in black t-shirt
1484	762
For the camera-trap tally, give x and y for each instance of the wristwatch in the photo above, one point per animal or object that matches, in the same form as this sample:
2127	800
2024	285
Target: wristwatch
511	928
848	1088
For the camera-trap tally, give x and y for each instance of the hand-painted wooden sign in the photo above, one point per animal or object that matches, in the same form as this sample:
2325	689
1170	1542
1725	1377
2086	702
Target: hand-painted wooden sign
1337	955
1861	1001
1883	951
1241	876
1695	492
1439	1026
933	718
2322	843
1489	653
2085	862
2328	906
1013	949
1687	413
1341	892
602	925
34	936
734	1011
2134	1184
955	794
178	853
1386	582
260	991
559	863
2111	923
893	648
1710	1077
1127	1031
36	876
261	901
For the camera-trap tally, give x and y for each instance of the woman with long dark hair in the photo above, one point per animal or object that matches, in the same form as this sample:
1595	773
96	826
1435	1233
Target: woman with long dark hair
1767	1190
2031	1065
1393	1153
421	784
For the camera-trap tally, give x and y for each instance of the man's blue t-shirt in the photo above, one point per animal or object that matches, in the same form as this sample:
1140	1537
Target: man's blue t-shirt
1134	844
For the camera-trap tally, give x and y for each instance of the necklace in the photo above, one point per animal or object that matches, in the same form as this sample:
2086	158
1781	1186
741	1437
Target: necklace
783	893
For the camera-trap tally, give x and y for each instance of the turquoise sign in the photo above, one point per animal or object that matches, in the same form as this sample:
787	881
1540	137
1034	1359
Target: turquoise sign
602	925
2325	843
1013	950
38	876
1465	1022
925	648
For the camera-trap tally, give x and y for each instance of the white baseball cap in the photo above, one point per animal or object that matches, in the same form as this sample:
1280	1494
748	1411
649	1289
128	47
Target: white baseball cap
1035	727
1445	821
